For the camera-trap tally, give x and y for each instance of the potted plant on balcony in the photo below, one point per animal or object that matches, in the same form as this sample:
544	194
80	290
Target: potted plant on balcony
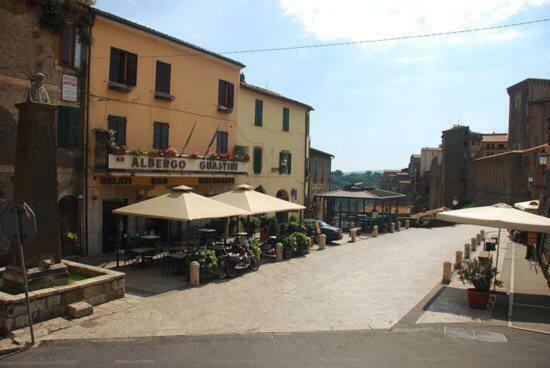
154	153
170	152
212	156
480	274
72	241
138	152
194	156
120	150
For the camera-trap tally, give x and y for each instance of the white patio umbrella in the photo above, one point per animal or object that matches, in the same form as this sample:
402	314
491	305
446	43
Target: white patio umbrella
529	206
254	202
499	215
181	204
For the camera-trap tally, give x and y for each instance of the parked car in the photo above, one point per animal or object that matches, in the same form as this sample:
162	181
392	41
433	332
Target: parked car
332	232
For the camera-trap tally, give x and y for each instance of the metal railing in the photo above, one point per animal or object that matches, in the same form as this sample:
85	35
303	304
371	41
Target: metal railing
101	154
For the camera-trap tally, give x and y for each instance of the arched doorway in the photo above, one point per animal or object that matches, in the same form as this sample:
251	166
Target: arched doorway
68	223
282	217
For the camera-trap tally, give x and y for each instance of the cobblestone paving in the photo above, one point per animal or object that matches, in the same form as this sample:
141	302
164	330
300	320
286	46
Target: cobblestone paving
369	284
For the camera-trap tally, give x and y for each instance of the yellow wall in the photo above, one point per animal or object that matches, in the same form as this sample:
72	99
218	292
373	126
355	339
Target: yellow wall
194	83
273	140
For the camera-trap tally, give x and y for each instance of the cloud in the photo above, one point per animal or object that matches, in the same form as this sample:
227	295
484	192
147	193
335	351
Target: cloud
355	20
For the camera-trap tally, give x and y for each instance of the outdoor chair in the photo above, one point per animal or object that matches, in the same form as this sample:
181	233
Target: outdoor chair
127	252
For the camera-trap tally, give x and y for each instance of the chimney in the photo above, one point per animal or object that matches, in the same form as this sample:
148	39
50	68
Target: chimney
243	78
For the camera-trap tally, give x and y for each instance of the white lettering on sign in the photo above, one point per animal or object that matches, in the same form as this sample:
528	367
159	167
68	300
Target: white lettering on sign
175	164
69	88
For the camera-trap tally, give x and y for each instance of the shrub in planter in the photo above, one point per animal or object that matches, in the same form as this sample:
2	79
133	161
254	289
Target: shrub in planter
288	243
207	260
138	152
255	248
302	243
480	274
271	224
250	224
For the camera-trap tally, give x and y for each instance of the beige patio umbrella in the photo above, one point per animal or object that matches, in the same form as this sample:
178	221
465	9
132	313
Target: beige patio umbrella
254	202
181	204
499	215
529	206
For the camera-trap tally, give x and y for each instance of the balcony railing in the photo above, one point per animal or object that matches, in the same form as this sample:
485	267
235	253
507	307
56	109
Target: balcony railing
101	154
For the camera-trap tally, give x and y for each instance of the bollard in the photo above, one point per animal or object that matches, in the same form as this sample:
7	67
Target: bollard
473	244
407	224
311	242
392	227
194	273
374	233
322	241
353	235
458	259
466	251
482	233
278	252
478	240
447	269
398	226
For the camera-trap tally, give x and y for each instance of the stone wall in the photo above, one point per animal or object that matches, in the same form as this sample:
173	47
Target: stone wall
52	302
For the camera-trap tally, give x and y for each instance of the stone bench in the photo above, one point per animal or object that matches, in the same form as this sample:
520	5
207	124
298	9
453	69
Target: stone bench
79	309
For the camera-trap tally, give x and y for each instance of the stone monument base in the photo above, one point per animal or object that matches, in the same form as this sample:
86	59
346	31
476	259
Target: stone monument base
38	277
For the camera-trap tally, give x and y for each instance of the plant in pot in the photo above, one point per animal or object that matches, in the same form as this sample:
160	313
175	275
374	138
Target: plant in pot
170	152
72	241
480	274
120	150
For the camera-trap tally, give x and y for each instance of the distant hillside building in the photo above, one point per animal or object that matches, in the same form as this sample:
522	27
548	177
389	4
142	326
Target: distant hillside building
493	144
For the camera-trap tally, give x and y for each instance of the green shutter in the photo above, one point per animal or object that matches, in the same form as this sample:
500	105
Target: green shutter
281	157
289	163
258	117
68	127
257	160
286	119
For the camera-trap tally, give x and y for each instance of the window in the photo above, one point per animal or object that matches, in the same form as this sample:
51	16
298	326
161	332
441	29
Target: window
258	153
322	172
307	123
221	142
286	119
162	83
160	135
285	162
71	47
315	170
68	127
307	167
118	124
259	113
123	67
225	96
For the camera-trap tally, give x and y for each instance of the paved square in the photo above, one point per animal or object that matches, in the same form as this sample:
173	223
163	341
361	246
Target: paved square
369	284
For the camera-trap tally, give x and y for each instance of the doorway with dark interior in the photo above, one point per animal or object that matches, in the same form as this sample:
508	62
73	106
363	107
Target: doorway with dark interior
110	223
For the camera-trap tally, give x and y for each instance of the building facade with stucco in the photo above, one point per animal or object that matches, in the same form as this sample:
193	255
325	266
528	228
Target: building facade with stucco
274	131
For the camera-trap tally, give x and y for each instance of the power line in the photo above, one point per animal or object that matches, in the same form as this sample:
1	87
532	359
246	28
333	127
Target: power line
387	39
347	43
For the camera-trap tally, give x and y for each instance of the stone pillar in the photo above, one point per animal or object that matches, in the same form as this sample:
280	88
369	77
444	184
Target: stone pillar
447	270
194	273
458	259
473	244
278	252
392	227
398	226
374	231
466	251
479	239
322	241
35	182
482	233
407	224
353	235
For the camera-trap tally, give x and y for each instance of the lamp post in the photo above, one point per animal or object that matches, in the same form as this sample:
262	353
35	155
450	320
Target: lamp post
542	158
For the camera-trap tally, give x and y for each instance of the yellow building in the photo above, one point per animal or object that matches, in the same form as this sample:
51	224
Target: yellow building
275	132
150	92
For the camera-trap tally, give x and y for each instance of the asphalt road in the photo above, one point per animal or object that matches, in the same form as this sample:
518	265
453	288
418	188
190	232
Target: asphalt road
417	347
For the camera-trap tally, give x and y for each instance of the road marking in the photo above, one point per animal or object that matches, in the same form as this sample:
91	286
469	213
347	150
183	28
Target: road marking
139	361
462	333
532	306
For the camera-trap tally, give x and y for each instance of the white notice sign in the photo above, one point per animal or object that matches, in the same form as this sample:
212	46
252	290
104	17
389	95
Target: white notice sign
69	90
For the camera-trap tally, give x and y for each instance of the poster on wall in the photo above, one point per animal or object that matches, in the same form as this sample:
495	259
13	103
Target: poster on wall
69	88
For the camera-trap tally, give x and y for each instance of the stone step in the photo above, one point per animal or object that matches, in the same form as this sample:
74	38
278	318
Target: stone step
79	309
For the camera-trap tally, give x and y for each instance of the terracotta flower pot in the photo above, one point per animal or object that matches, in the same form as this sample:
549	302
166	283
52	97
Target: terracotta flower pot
477	299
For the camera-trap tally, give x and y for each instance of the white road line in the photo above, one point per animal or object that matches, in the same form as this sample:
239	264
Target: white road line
532	306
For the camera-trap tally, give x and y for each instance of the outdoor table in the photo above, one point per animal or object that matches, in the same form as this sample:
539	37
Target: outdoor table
149	239
178	248
144	253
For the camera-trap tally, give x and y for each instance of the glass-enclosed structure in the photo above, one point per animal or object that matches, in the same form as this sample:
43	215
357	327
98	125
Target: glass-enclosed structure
363	206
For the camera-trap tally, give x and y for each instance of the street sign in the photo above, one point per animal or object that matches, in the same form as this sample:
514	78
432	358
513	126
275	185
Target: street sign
19	223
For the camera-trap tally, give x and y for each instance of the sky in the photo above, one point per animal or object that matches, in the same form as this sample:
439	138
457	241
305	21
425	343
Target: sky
378	103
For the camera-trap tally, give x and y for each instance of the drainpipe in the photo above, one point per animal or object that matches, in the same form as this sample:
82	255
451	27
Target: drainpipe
87	144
